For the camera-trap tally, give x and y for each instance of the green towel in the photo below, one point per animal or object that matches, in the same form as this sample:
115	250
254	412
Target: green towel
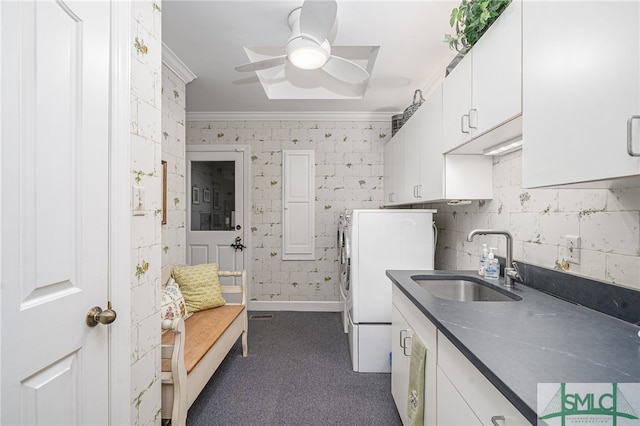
415	406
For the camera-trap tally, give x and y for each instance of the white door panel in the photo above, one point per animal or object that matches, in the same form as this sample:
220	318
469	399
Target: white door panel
55	223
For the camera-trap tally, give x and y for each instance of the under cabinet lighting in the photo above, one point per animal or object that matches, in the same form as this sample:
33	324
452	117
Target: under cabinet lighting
458	202
504	148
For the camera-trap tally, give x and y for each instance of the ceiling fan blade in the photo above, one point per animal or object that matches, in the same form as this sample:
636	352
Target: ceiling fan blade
317	18
345	70
262	65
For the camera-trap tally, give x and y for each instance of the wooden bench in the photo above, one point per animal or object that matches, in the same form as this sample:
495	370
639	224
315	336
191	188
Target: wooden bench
192	349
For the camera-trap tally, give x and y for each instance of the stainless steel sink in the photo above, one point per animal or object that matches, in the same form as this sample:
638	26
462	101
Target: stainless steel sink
464	290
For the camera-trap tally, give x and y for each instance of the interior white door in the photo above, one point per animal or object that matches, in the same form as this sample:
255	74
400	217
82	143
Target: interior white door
216	214
54	217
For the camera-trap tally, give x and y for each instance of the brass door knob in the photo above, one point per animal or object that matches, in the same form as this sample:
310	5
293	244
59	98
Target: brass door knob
97	316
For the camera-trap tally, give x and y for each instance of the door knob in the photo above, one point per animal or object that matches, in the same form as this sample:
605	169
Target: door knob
238	245
97	316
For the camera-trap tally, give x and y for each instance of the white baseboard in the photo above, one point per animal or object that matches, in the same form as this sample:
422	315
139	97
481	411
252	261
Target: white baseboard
306	306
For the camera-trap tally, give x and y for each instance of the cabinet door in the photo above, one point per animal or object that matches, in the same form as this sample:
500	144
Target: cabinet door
427	332
388	172
394	169
580	86
413	142
452	409
431	157
456	104
497	71
298	204
400	337
485	400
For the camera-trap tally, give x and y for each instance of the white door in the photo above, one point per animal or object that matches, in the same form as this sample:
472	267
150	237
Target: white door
216	217
54	211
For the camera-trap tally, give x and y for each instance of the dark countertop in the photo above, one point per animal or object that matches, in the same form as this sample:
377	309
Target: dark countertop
539	339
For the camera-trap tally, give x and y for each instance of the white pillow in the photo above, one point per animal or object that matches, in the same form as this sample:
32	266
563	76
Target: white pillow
172	302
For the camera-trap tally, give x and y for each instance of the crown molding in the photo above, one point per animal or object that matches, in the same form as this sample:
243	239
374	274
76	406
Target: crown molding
176	65
290	116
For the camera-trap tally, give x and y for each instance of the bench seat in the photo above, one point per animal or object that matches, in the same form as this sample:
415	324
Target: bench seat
194	348
202	331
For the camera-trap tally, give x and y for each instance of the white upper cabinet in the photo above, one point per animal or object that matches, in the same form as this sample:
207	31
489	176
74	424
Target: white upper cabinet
416	171
581	85
431	186
497	71
447	177
387	156
393	169
484	91
456	105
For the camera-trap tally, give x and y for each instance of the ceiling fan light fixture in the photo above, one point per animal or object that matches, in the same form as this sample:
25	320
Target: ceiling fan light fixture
307	55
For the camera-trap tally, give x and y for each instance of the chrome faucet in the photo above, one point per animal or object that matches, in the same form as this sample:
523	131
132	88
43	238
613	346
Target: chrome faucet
511	274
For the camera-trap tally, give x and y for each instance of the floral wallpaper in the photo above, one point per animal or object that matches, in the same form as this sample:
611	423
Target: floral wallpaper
349	175
146	182
173	152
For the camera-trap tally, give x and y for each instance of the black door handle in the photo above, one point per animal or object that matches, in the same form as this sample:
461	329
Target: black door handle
238	244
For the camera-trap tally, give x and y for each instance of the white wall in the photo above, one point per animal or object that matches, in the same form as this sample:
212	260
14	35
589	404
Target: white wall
349	175
608	222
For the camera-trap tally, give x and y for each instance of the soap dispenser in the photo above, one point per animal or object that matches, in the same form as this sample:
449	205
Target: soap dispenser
483	260
492	266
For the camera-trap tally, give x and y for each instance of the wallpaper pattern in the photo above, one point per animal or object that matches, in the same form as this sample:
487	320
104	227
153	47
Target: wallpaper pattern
349	175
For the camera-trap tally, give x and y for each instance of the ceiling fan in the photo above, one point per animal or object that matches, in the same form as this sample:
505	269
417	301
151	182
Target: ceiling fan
308	47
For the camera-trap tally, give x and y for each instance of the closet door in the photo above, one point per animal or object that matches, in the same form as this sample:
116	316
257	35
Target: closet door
298	197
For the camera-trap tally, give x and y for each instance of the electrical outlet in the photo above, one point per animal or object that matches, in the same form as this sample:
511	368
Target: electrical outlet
573	249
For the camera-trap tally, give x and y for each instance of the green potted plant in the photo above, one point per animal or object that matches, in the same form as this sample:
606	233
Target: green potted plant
470	20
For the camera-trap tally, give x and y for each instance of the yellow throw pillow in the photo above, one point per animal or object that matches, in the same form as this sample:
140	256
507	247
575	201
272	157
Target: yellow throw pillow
200	286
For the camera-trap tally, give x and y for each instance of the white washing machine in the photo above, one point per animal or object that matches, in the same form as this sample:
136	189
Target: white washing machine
343	259
375	241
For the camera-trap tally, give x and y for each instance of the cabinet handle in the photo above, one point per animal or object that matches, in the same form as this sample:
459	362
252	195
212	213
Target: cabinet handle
418	191
391	197
629	136
476	118
462	123
495	419
402	338
404	346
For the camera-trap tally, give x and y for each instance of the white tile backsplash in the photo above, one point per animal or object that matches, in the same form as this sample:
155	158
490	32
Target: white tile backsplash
606	220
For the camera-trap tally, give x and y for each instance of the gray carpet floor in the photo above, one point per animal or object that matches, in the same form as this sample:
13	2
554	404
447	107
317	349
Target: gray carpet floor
298	372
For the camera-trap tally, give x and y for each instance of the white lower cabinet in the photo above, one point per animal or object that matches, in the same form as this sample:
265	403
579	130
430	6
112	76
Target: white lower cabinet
401	332
407	321
475	391
452	409
456	392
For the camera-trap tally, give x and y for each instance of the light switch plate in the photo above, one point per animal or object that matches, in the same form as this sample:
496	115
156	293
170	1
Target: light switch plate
573	249
138	201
